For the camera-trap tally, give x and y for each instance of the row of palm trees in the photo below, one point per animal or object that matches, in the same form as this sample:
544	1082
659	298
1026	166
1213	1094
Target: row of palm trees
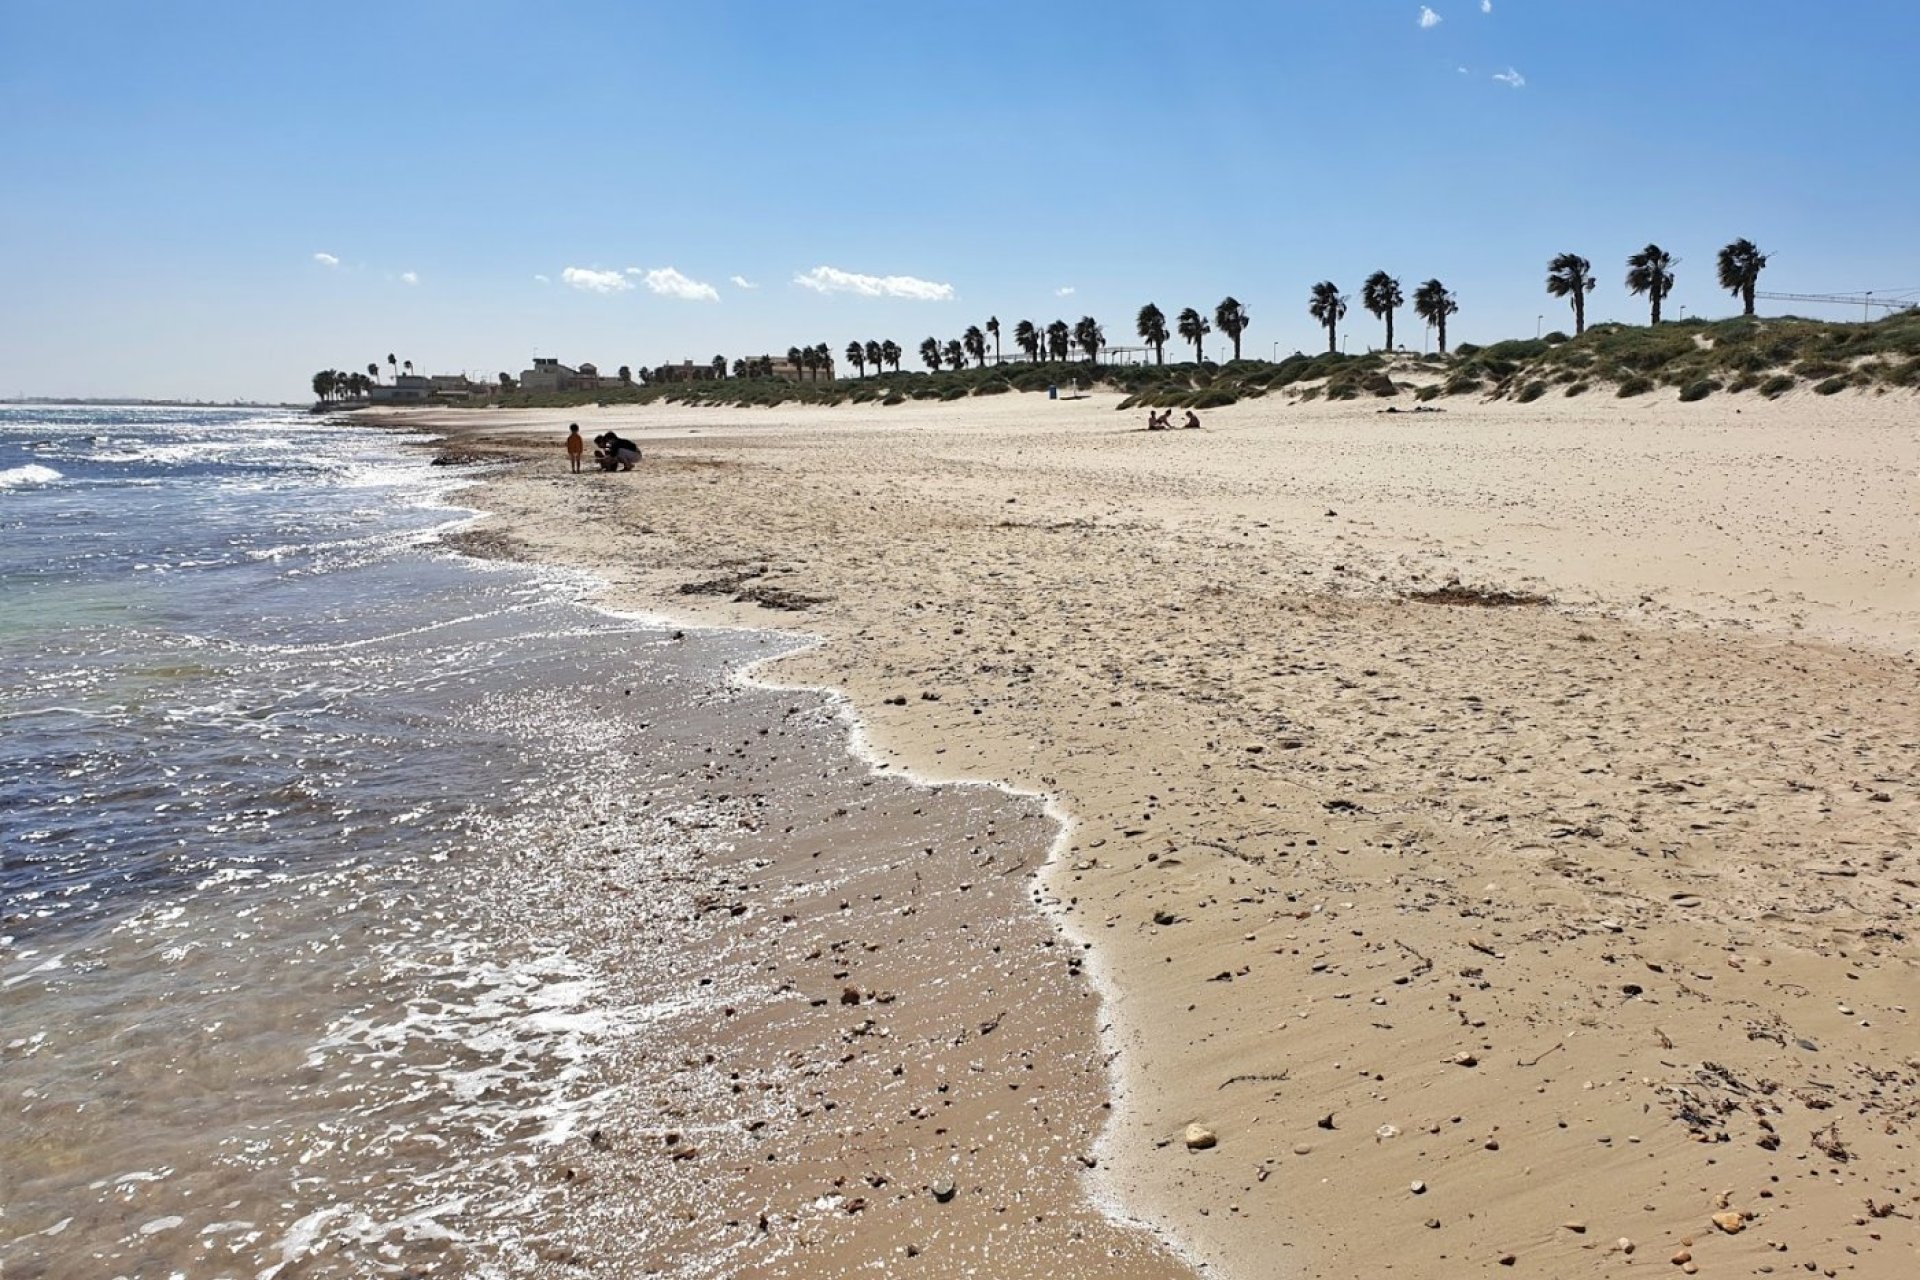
1650	272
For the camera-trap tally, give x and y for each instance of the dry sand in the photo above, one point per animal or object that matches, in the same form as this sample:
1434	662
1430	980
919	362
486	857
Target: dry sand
1478	935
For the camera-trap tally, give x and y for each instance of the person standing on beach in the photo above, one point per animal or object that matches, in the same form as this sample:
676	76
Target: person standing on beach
575	446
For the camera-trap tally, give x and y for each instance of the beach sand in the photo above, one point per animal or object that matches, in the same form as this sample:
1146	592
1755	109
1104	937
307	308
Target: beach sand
1523	937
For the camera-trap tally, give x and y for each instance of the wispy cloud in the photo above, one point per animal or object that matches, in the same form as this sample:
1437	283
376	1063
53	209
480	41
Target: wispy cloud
741	282
591	281
326	259
1429	19
834	280
667	281
409	277
1064	291
540	279
1486	6
1511	78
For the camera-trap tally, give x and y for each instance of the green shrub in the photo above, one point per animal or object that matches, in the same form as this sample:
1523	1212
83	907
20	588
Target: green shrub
1555	338
1531	392
1777	386
1634	386
1578	389
1745	382
1431	391
1816	368
1466	350
894	397
1211	398
1461	384
1699	389
1832	385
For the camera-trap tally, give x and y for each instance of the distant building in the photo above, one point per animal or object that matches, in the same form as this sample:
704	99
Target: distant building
405	388
785	368
686	371
549	374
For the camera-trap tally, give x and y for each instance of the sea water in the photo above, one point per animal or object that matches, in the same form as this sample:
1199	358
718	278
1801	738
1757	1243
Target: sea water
305	827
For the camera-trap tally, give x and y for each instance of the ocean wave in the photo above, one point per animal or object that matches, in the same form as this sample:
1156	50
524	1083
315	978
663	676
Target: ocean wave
31	474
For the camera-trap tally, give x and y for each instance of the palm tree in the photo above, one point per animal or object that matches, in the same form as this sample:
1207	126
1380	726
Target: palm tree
1027	338
1740	265
875	356
993	327
408	365
823	360
373	370
1381	295
626	372
1087	336
323	384
1329	308
797	359
1432	303
1571	276
955	353
976	344
743	368
1151	325
930	352
1650	271
810	361
857	357
718	364
890	352
1058	336
1193	327
1232	319
393	364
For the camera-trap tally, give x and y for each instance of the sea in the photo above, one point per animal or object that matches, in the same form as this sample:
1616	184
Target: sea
309	825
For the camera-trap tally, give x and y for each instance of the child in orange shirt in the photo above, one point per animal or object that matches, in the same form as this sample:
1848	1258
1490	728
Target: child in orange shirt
575	446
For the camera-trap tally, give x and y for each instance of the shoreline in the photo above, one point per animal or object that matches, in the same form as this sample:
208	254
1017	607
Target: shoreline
1438	830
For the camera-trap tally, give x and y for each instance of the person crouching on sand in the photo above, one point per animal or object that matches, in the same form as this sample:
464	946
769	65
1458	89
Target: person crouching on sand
615	454
576	445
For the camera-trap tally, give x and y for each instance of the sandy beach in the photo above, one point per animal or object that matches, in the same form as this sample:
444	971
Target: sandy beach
1495	827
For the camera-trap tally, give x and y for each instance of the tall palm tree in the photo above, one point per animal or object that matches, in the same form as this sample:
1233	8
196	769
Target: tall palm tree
798	360
930	353
1058	336
956	354
1432	303
393	364
1232	319
1650	271
1740	266
890	352
373	370
744	368
323	385
1193	327
1088	337
993	327
1571	276
975	343
875	356
1027	338
810	360
825	358
857	357
1151	325
408	366
1329	308
1381	295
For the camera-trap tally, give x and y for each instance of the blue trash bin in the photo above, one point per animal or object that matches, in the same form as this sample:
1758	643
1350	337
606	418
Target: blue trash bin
1053	392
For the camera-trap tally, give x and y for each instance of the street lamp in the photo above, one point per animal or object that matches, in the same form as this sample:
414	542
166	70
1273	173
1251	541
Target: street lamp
1539	325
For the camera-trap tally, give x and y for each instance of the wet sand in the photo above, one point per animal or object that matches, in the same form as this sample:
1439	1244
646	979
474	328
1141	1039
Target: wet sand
1532	935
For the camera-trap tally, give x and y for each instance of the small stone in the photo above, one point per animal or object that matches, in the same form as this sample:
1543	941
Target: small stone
1200	1138
943	1190
849	995
1465	1060
1418	1187
1733	1222
1682	1257
1387	1131
1508	1259
1578	1228
1433	1224
1624	1245
1302	1148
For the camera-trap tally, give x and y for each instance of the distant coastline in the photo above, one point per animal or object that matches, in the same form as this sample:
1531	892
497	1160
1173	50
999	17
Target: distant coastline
96	402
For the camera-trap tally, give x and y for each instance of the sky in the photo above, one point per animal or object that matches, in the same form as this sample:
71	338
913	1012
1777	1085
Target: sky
213	200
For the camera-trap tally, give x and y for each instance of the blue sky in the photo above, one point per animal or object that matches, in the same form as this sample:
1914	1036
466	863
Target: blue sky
175	172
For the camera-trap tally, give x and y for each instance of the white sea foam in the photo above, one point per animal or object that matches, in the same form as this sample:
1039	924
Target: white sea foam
28	476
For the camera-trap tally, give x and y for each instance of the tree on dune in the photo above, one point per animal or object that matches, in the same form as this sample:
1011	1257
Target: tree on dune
824	356
875	356
1650	271
323	384
373	370
1027	338
797	359
1193	327
857	357
993	327
718	364
930	353
1088	337
976	344
1381	295
408	366
1058	337
1571	276
626	373
810	361
743	368
1151	325
1740	265
393	364
1232	319
1432	303
1328	307
955	353
890	352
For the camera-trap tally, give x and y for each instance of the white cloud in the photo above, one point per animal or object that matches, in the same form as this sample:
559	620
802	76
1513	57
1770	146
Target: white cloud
1064	291
326	259
1486	6
409	277
1511	78
834	280
1429	19
591	281
1462	70
665	280
635	271
539	279
741	282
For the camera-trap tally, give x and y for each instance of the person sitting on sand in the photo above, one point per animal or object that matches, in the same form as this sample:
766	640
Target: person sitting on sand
575	446
621	454
1193	420
1158	421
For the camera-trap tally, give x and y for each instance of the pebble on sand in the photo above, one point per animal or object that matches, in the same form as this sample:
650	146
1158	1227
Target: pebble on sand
1199	1137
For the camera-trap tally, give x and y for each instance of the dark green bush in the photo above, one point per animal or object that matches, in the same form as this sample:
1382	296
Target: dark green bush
1578	389
1814	369
1635	386
1555	338
1777	386
1699	389
1832	385
1531	392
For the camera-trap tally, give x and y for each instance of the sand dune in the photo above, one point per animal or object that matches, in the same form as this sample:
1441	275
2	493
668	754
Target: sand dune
1476	934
